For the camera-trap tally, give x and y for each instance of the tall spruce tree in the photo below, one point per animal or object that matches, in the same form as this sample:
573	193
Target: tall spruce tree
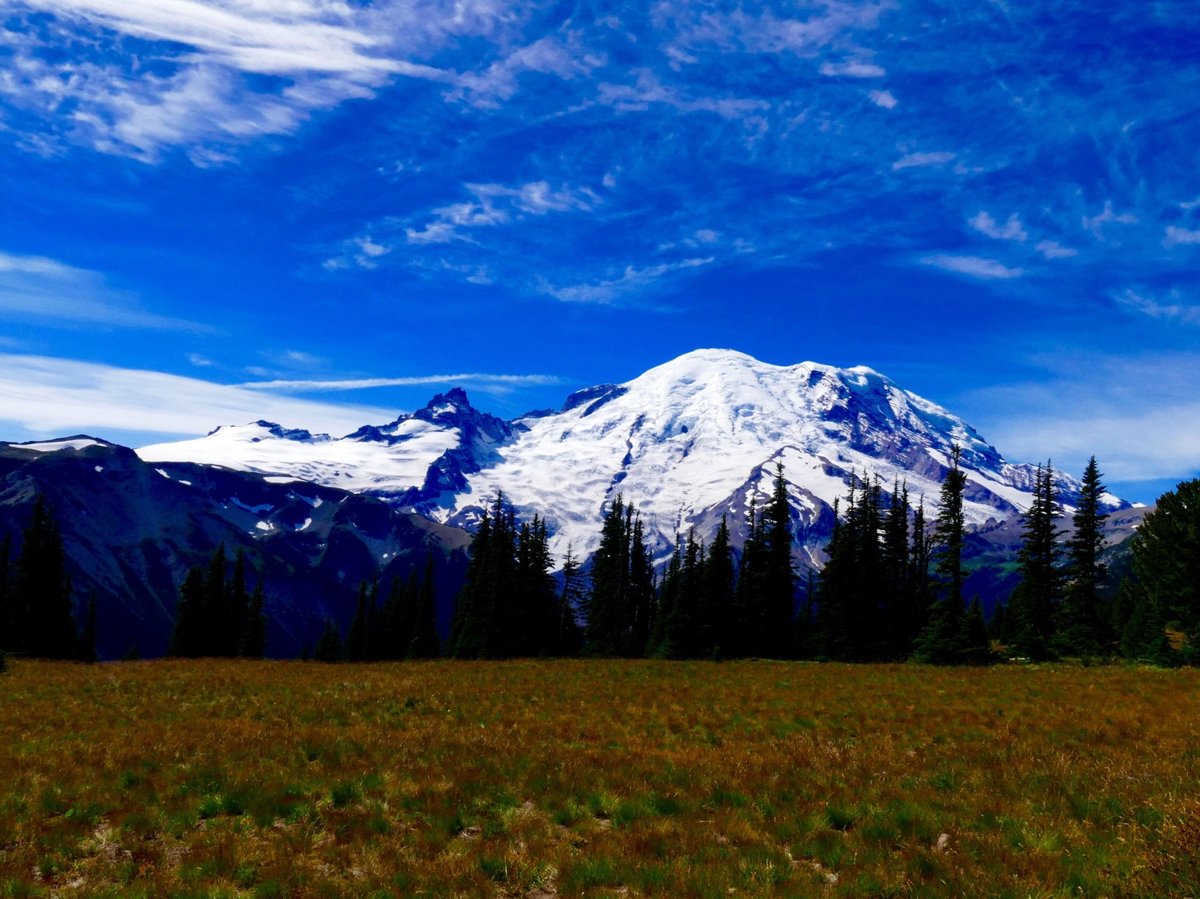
1166	566
1035	601
1080	629
952	636
6	610
188	636
897	633
717	585
253	643
357	638
424	643
620	606
568	637
41	591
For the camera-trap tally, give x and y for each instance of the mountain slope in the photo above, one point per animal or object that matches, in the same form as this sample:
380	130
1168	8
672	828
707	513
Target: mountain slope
132	529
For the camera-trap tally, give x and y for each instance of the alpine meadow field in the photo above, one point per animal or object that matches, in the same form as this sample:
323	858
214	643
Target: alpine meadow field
597	778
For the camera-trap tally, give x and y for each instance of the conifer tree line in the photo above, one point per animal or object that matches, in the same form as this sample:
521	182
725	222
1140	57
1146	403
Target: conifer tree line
1057	609
403	626
37	615
216	614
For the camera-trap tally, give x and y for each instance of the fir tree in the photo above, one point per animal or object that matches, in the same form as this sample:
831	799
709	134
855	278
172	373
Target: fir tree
357	638
87	640
779	585
238	607
6	610
899	628
609	630
188	636
568	638
215	620
1166	564
1035	601
329	646
1079	627
424	643
952	636
717	587
41	591
253	643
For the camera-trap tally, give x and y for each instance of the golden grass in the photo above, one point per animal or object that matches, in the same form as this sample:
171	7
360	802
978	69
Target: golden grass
180	778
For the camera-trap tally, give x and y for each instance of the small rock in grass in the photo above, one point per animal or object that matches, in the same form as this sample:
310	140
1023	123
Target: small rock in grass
943	843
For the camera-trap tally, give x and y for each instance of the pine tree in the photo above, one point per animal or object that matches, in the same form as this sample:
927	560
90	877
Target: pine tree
237	609
356	639
779	585
1080	630
253	643
188	636
329	646
898	632
952	636
1035	601
1166	562
87	640
41	592
424	643
607	626
716	596
216	605
6	611
1144	637
680	612
568	637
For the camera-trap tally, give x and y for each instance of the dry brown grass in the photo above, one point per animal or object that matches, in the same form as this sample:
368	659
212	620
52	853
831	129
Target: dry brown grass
597	778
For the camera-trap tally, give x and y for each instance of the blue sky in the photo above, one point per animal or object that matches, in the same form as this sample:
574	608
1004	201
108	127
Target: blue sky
997	205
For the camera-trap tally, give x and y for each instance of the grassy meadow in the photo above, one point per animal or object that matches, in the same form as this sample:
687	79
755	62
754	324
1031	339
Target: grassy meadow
598	778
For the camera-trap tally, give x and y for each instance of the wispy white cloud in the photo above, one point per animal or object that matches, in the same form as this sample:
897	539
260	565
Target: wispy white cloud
478	379
852	69
973	266
1176	236
648	90
1174	308
922	160
630	281
1011	230
1051	249
35	288
46	396
883	99
1107	216
562	55
197	91
1127	411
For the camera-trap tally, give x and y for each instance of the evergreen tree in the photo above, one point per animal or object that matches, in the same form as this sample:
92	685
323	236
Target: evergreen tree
87	640
1166	565
765	598
6	611
1144	637
920	585
568	637
898	628
716	596
619	608
329	646
779	586
357	638
424	643
214	624
188	636
41	591
952	636
238	608
1035	601
253	643
1080	630
680	610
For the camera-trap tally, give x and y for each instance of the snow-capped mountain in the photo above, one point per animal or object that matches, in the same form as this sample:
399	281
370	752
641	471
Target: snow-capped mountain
411	461
686	442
